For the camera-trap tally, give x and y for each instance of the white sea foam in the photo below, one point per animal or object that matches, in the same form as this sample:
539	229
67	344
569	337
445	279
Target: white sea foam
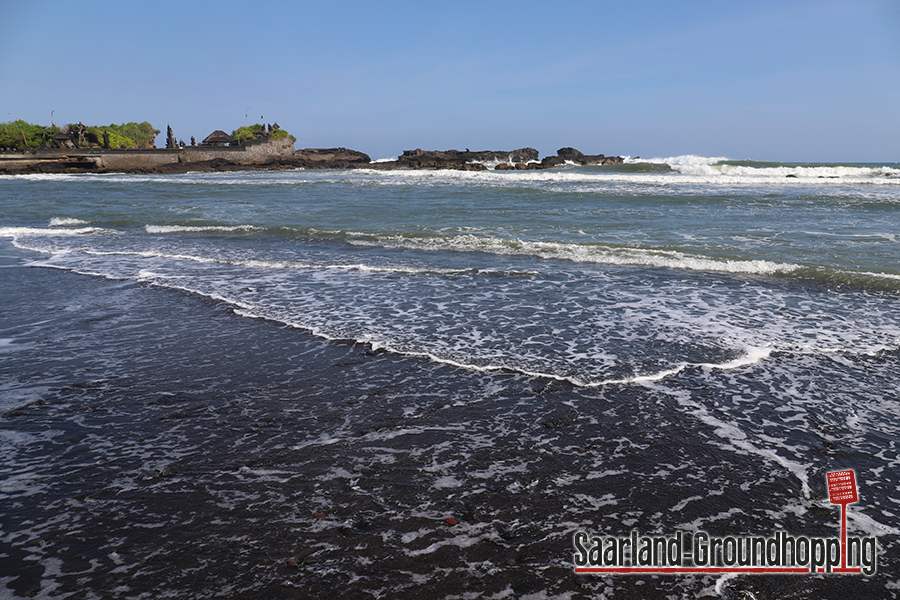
197	229
16	232
329	301
44	176
871	274
463	540
737	440
684	159
751	356
592	253
312	266
863	522
684	170
66	222
699	168
712	169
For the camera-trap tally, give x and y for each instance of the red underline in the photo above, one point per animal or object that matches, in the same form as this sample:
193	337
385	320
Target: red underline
686	570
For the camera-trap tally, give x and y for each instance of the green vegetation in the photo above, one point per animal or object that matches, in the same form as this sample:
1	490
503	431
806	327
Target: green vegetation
119	141
143	134
126	135
258	132
281	134
253	132
20	135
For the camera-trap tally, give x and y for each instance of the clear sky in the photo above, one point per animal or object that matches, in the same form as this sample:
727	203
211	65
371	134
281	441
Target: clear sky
790	80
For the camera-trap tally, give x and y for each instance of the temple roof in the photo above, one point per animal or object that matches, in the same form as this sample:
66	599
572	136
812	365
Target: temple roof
218	137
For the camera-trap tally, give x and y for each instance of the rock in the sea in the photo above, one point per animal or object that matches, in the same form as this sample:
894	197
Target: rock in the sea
328	158
570	154
464	160
524	155
552	161
579	158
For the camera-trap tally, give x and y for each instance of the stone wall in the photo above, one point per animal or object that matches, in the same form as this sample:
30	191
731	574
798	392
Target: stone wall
251	152
256	152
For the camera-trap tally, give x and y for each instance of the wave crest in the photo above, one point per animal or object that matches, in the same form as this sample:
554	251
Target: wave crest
197	228
730	170
590	253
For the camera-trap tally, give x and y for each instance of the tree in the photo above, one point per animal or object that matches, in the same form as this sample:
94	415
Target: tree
258	132
22	135
126	135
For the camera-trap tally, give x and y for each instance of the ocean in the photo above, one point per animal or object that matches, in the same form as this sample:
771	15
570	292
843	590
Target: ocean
424	384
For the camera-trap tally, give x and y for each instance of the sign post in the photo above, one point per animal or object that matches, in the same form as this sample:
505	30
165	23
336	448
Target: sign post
842	490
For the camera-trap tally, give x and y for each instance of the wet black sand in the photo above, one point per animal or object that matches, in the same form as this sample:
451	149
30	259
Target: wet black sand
162	447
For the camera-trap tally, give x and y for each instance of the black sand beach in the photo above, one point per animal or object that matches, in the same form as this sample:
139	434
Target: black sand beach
225	457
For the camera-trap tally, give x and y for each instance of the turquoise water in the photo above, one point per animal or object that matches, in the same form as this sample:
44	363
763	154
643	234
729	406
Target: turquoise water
578	313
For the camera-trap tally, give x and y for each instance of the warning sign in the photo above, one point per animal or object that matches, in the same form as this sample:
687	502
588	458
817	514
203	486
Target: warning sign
842	487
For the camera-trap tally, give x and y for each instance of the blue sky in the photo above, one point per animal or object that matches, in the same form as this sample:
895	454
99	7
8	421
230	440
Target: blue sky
781	80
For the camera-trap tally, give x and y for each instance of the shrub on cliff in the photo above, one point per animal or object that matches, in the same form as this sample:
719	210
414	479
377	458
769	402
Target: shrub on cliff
120	141
116	140
20	135
126	135
143	135
258	132
281	134
252	132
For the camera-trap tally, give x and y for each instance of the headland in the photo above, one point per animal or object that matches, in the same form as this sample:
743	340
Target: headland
80	149
276	155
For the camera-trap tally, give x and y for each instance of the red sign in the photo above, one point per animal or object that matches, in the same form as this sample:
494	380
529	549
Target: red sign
842	487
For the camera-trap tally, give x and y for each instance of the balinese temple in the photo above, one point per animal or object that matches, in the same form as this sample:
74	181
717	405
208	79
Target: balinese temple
217	138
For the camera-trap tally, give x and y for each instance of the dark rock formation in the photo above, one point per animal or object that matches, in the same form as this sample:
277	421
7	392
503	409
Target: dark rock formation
327	158
564	155
307	158
61	161
523	159
570	154
466	160
524	155
552	161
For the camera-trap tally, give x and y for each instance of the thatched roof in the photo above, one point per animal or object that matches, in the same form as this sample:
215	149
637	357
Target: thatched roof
218	137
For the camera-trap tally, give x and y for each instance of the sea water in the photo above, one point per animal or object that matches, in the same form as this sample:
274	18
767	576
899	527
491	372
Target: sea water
227	384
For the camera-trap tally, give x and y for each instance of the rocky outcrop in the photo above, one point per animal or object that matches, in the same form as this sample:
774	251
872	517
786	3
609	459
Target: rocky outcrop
571	155
524	159
463	160
27	163
307	158
279	157
328	158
